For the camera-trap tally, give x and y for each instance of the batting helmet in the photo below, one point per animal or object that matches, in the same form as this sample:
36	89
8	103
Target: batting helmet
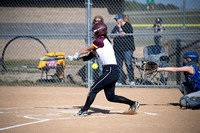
99	29
193	56
158	20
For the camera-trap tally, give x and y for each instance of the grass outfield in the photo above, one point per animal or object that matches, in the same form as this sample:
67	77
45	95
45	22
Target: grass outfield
166	25
167	16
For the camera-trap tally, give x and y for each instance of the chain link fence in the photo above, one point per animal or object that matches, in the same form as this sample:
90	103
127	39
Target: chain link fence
35	28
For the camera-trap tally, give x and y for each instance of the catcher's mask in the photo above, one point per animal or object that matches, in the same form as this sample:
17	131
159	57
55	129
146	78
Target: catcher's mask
99	29
193	56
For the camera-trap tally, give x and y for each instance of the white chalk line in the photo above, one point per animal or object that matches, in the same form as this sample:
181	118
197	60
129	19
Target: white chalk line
39	120
151	113
8	108
44	120
24	124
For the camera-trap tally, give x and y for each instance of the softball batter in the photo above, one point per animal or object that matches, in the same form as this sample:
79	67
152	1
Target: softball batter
102	48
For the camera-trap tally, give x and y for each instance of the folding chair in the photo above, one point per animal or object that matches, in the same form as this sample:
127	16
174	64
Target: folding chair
58	65
157	54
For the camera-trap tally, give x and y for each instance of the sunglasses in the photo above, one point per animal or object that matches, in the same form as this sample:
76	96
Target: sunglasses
97	21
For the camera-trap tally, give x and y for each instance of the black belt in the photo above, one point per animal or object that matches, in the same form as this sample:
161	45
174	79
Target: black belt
109	66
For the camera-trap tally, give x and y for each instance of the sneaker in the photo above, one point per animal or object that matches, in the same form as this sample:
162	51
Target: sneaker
118	84
135	106
81	113
132	83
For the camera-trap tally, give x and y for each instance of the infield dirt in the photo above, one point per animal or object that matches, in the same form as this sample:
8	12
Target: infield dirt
52	109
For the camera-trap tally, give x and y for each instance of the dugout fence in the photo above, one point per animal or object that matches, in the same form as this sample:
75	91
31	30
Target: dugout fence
64	26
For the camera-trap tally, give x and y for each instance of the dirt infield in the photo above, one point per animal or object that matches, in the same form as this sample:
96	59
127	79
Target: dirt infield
51	110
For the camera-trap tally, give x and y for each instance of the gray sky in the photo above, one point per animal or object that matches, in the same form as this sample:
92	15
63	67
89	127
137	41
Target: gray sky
190	4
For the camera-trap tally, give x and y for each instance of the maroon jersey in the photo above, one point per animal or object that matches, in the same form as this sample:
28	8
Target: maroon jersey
157	28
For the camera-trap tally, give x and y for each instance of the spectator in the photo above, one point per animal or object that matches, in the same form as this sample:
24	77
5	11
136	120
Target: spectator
158	29
97	19
124	47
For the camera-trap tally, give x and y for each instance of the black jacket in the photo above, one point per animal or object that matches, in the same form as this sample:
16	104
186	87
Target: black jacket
124	43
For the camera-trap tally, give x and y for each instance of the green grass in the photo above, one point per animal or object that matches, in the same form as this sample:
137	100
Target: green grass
167	20
168	16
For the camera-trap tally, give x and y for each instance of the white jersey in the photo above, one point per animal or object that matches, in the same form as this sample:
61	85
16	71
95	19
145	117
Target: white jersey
104	51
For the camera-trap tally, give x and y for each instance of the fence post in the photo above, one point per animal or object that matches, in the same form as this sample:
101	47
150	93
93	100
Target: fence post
178	60
89	41
184	10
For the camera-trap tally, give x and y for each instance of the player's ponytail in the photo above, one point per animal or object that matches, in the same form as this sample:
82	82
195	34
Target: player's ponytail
197	64
106	36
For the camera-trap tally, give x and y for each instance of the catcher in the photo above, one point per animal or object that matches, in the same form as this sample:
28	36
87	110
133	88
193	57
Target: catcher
190	88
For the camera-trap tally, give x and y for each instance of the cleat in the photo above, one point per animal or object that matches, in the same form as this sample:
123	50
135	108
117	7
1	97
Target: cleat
81	113
118	84
132	83
135	106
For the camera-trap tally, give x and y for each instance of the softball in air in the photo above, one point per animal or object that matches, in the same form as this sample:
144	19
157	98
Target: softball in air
94	66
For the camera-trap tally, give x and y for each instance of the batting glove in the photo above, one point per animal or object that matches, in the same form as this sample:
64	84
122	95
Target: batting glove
76	56
70	58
